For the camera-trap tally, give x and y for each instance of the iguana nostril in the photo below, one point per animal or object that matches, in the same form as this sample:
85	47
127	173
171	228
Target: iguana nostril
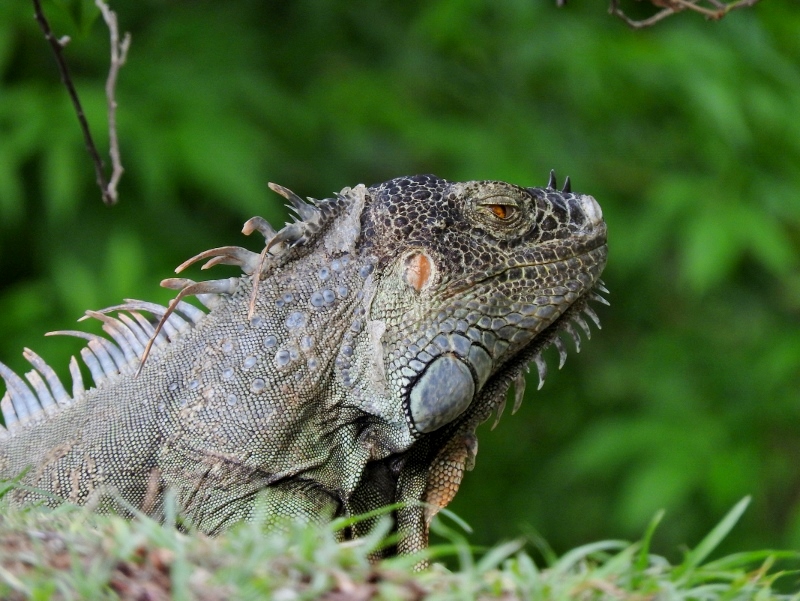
443	393
591	209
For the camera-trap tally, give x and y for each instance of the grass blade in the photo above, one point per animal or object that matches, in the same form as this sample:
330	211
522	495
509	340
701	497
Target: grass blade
706	546
495	556
455	518
569	559
344	522
642	560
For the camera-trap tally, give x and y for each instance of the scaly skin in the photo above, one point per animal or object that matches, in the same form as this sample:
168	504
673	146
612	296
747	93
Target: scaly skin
385	326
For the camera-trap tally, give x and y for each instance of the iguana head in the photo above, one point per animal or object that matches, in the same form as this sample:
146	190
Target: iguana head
470	275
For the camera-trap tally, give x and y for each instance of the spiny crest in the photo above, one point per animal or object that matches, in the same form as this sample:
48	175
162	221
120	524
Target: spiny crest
44	394
552	183
314	216
566	326
134	337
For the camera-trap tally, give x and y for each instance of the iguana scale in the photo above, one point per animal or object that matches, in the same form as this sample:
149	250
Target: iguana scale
345	370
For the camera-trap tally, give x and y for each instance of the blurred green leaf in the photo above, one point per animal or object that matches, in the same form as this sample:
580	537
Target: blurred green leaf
710	246
712	540
60	176
80	14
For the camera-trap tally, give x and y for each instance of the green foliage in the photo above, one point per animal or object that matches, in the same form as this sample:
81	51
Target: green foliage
687	134
71	553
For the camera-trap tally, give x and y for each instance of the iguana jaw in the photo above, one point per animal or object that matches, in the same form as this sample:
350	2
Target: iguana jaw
458	362
572	323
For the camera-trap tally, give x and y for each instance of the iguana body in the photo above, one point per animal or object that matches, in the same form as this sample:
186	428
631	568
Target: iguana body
386	325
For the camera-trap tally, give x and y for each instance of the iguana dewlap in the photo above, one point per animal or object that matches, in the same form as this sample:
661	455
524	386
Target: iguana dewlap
345	370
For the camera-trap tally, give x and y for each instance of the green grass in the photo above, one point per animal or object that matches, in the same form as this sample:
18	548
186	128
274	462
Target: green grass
70	553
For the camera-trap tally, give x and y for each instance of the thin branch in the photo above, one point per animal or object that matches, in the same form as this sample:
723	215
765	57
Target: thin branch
57	46
663	14
670	7
709	13
119	52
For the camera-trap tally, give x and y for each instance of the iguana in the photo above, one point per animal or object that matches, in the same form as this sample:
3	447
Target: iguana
347	368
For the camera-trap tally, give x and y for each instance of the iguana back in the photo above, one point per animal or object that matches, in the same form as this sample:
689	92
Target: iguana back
347	368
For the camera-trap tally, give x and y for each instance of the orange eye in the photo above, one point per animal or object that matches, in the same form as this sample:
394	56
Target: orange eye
501	211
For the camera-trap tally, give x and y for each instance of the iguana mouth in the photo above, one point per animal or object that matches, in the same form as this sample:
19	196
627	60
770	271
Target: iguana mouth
600	244
492	398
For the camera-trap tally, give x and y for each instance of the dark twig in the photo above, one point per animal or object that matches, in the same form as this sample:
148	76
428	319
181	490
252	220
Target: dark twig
670	7
119	52
57	46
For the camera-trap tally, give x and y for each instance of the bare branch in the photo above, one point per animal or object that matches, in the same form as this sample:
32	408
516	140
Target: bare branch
119	52
57	46
663	14
718	9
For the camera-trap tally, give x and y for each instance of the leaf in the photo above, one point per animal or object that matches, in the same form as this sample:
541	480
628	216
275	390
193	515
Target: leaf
11	191
60	177
769	242
570	559
79	14
642	560
706	546
495	556
125	260
709	248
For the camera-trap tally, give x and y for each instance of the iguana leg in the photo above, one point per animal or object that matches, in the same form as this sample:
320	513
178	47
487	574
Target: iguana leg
411	518
375	490
446	473
429	487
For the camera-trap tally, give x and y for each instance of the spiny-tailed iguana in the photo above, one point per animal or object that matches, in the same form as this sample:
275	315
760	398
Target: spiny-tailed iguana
346	370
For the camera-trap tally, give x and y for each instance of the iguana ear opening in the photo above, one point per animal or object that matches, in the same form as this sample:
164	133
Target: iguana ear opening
419	270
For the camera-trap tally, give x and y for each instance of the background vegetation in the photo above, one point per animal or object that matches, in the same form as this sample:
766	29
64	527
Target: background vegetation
688	134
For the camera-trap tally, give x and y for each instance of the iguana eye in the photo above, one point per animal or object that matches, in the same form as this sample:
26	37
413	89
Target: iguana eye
502	211
499	213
